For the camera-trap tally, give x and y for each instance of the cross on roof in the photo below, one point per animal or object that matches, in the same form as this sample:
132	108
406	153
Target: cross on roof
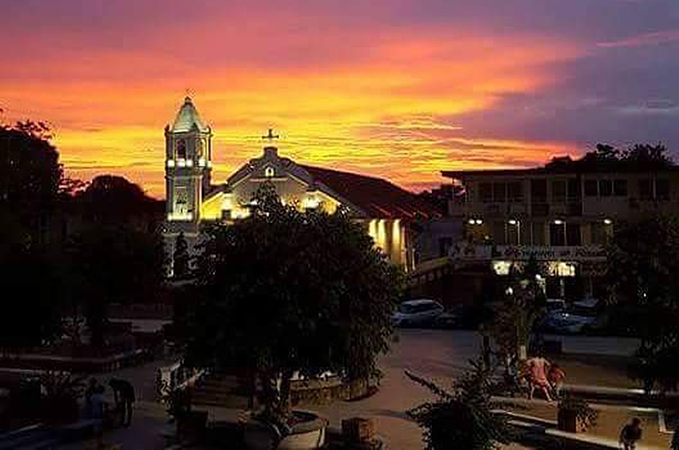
270	136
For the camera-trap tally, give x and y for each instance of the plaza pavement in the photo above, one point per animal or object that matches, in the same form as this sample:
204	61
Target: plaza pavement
439	355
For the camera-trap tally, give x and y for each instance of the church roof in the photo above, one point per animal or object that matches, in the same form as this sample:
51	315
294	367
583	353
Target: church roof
187	117
377	197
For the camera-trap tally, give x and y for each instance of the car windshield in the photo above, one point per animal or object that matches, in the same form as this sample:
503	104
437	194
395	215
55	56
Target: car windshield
409	308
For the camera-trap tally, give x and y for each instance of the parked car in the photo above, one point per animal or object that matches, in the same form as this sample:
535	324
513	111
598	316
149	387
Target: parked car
417	313
561	318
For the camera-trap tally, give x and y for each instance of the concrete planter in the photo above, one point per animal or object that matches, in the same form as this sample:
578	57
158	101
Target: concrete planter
308	433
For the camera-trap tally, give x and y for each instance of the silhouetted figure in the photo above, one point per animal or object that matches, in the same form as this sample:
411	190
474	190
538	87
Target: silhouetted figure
631	434
123	395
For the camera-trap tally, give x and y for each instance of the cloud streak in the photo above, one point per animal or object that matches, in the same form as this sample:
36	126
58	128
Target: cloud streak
399	88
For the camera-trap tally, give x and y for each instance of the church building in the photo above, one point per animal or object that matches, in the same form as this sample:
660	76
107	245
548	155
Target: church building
390	214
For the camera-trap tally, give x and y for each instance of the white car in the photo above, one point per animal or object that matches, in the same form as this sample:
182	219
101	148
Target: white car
417	313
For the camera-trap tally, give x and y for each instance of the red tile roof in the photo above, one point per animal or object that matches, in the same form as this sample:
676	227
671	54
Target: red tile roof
377	197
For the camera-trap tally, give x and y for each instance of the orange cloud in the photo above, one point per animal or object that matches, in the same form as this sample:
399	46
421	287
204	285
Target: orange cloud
379	101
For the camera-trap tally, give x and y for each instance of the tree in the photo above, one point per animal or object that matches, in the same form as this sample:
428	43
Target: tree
117	255
30	175
31	311
113	199
284	291
31	276
180	258
516	314
463	418
643	274
114	263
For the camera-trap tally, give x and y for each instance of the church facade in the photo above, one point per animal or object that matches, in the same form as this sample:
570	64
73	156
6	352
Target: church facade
389	213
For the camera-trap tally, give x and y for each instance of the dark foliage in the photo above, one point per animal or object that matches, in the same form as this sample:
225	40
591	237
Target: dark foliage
30	175
643	273
284	291
180	258
462	418
114	263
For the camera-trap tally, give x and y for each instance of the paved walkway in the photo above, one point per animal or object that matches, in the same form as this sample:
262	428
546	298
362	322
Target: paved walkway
439	355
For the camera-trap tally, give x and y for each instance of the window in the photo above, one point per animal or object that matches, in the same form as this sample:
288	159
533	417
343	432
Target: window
515	191
573	234
573	189
181	149
558	191
662	189
591	188
269	172
538	191
605	188
486	192
499	192
499	233
557	234
181	200
538	230
620	188
645	189
513	231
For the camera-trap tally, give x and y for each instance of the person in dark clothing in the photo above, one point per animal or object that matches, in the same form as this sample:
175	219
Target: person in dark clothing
631	434
123	395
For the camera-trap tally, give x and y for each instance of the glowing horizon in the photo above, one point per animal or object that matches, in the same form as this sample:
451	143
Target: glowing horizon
398	89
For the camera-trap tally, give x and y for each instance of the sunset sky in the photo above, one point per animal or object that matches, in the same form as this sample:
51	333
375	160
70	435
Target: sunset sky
398	88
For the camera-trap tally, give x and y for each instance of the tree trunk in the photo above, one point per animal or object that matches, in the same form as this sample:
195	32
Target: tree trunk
285	405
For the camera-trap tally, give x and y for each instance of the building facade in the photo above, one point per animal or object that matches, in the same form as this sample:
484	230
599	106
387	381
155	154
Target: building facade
561	214
387	211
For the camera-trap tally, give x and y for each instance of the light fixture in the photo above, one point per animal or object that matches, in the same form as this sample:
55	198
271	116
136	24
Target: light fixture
479	221
471	221
558	222
608	221
513	222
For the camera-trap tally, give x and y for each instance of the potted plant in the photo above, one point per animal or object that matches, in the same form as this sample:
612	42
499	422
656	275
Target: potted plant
61	392
574	414
288	290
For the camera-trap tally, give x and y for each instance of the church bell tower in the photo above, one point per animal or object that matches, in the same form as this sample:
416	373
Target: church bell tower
188	155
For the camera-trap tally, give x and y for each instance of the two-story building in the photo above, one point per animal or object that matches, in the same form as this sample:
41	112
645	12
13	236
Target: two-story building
561	214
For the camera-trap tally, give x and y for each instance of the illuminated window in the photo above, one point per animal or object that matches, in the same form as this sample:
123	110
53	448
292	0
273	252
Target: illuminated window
269	172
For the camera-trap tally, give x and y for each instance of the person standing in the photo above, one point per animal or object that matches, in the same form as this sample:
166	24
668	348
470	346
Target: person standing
123	396
537	370
631	434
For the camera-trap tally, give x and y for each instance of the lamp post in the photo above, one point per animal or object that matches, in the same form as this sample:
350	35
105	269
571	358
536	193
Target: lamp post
517	224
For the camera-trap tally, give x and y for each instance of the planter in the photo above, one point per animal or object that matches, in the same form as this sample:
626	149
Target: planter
308	433
567	420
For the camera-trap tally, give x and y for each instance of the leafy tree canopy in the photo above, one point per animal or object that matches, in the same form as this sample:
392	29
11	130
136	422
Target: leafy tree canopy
285	291
30	174
643	273
110	198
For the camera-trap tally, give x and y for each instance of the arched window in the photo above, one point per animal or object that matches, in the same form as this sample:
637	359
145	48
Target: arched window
269	172
181	149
